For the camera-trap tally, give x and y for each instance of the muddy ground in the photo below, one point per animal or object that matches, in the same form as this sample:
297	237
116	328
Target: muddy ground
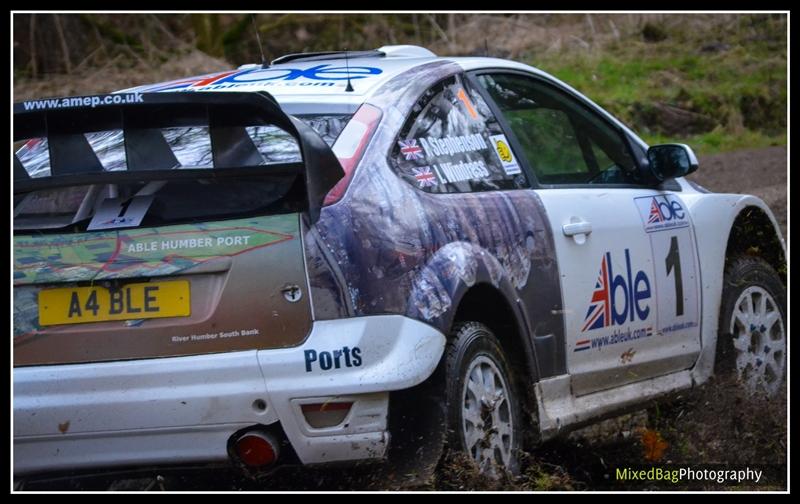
715	426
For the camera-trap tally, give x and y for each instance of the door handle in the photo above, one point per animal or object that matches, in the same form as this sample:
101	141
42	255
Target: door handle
577	228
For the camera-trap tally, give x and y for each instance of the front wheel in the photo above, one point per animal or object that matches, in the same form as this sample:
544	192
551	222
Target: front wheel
752	332
483	408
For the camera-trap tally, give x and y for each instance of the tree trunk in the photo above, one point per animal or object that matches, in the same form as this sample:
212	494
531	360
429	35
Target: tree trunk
208	34
63	40
34	65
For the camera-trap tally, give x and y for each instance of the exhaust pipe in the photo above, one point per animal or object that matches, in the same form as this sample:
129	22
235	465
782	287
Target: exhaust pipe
256	449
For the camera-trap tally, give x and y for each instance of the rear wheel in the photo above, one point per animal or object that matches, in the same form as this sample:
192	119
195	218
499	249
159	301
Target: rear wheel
752	332
483	408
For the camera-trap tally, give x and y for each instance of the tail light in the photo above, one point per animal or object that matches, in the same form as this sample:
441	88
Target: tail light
327	414
257	449
350	146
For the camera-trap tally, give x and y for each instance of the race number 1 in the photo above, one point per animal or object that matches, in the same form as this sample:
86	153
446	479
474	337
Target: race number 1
674	263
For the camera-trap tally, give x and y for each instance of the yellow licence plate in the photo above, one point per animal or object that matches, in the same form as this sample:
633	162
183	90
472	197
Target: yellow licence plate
79	305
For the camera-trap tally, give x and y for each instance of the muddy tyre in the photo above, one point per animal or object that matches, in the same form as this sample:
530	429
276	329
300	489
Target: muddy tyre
482	401
752	333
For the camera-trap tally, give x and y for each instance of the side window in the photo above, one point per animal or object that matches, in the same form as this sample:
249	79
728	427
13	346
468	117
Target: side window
564	142
452	143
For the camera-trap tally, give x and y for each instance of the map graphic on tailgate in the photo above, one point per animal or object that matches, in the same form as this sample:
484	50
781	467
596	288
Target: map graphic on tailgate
151	251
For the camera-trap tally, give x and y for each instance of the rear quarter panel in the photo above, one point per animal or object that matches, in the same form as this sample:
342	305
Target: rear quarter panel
397	249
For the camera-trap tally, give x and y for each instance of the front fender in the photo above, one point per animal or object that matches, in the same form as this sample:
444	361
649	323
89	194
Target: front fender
713	216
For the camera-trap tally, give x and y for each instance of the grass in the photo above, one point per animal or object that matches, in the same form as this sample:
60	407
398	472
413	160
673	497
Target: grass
719	140
730	75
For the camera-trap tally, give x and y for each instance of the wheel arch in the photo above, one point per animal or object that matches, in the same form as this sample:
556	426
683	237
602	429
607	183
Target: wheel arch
754	232
724	225
491	306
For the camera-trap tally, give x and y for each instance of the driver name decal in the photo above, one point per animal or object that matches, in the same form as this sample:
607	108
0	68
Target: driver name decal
451	145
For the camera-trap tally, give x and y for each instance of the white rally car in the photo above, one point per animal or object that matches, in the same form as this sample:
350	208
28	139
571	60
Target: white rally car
343	257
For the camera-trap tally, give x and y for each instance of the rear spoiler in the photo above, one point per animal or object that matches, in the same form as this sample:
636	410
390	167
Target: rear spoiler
63	122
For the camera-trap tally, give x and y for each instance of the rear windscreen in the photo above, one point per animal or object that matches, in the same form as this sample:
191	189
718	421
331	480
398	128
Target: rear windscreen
171	201
188	147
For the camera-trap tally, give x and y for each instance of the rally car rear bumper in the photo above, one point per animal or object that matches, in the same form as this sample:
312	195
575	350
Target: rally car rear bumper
185	409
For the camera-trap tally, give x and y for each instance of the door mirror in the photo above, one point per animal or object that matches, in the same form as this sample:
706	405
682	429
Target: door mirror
669	161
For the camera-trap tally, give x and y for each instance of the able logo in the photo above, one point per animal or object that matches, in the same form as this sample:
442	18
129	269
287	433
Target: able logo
619	298
319	74
665	211
662	212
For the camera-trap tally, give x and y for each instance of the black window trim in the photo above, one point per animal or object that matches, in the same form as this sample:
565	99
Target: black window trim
472	76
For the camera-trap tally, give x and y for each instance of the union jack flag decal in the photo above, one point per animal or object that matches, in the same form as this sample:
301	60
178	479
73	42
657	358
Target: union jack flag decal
655	213
410	149
424	176
599	313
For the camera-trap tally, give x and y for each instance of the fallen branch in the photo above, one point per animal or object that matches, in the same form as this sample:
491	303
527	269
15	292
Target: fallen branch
438	28
87	58
160	25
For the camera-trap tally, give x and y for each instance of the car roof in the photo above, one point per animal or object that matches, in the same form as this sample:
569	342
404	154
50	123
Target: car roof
322	78
316	81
